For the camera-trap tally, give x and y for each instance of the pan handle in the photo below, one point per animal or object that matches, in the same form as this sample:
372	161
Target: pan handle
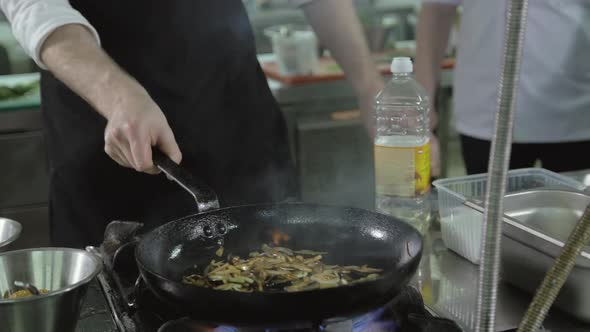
204	196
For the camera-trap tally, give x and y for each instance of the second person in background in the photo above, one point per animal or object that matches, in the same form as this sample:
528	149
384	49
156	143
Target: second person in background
552	122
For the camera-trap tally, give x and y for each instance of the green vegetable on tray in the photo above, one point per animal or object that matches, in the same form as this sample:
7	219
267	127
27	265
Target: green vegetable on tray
16	91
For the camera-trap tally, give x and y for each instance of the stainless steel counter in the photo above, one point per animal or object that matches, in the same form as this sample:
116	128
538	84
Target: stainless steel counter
449	285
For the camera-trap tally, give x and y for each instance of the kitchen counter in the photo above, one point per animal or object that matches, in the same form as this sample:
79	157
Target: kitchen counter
322	91
451	292
448	282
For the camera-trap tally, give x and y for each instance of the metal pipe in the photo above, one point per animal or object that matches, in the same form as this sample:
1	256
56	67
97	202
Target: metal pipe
557	276
498	166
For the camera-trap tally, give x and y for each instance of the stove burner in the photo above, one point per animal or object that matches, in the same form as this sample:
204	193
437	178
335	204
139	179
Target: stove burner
184	325
136	309
369	322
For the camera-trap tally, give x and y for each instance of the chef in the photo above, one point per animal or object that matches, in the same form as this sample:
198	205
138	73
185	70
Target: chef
552	120
121	77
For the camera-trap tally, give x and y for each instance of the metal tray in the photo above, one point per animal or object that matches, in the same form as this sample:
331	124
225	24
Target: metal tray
536	225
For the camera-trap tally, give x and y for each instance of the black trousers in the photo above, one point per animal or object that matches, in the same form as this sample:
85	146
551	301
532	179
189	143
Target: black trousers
557	157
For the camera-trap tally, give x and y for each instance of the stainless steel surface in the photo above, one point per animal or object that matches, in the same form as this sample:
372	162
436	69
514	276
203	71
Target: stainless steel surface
528	254
533	236
454	295
557	275
489	271
550	216
9	232
205	198
64	272
536	225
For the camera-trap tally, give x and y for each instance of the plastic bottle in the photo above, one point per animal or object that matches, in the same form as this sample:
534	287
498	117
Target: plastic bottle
402	148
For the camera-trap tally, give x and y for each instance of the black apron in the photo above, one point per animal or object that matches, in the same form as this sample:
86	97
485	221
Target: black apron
197	59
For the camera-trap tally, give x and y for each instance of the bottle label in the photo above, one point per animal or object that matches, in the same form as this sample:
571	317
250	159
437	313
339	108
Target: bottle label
402	171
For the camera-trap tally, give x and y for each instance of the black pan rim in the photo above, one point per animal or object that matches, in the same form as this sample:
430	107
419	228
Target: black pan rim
389	274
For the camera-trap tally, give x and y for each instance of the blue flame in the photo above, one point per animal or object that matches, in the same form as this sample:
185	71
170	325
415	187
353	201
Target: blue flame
371	322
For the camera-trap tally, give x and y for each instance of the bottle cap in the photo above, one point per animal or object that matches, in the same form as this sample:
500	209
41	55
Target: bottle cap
401	65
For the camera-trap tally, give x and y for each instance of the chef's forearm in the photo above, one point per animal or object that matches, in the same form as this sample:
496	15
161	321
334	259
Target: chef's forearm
338	28
73	55
432	36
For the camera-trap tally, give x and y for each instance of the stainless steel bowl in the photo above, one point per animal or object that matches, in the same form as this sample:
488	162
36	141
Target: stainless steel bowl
9	232
64	272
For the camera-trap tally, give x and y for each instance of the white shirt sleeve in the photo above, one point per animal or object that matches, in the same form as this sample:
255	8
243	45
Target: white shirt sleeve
448	2
32	21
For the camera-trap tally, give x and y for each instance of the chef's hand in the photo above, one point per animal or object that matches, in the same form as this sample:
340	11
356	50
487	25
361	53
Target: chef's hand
134	126
134	122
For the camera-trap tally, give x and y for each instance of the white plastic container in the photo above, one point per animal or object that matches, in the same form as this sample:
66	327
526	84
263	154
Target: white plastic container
461	226
296	49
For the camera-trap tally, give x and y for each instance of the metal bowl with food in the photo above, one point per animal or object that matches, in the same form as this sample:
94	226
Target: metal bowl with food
61	274
9	232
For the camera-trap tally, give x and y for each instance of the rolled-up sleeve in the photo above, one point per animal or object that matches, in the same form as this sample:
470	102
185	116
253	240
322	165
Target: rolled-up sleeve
32	21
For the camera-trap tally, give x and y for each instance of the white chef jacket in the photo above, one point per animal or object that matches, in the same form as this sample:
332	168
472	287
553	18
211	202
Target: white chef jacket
32	21
553	99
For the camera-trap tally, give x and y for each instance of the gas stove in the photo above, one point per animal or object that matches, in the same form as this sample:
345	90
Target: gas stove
135	308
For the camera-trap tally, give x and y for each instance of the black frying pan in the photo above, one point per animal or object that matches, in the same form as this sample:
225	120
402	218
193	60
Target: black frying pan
351	237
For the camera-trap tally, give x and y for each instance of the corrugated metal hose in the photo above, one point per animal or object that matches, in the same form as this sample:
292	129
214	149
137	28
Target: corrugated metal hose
489	270
497	176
